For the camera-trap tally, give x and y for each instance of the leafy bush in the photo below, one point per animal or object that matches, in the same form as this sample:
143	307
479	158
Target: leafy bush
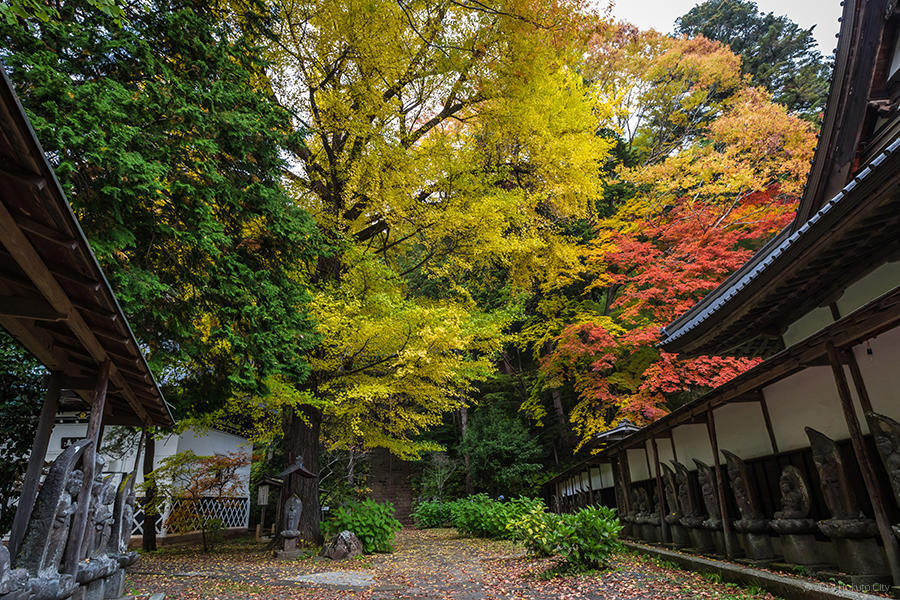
536	529
433	513
586	539
372	522
482	516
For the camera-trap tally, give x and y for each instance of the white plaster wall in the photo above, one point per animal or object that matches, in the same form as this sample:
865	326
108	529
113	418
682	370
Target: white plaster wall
880	281
692	441
741	428
881	371
637	464
807	398
807	325
211	442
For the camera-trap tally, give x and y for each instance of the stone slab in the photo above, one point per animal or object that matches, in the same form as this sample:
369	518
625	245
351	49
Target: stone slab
338	579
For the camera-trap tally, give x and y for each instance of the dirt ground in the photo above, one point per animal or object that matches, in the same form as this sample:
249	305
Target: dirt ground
427	565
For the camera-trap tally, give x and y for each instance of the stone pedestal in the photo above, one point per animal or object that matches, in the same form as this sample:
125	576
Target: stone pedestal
798	542
701	539
680	536
854	541
754	539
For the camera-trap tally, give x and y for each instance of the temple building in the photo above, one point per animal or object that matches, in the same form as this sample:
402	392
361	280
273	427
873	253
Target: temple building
70	533
796	462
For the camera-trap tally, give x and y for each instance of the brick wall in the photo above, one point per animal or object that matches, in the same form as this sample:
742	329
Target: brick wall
389	479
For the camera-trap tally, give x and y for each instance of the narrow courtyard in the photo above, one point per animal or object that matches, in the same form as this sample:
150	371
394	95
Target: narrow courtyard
434	564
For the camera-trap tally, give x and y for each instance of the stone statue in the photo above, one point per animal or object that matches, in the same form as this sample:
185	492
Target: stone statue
685	492
48	528
836	490
642	500
292	509
741	484
671	490
795	502
886	432
851	532
709	492
13	582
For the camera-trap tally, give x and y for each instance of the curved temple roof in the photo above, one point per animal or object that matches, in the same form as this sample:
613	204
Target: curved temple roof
54	297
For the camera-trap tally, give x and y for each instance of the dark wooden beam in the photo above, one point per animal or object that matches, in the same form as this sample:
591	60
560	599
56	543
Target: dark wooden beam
865	464
35	463
764	407
659	494
35	309
45	232
72	555
720	484
32	180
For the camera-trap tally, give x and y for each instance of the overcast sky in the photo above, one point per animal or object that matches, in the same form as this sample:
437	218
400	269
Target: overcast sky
661	15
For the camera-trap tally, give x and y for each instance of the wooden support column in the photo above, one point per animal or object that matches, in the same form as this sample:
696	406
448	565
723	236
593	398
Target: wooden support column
626	479
672	443
590	487
720	483
659	493
764	407
78	528
35	463
865	464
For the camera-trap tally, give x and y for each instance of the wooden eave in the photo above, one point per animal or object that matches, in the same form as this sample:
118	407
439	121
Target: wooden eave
737	318
54	298
847	239
871	320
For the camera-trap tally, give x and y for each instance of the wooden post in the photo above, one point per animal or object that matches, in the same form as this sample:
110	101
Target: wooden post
590	486
720	483
148	535
659	493
35	463
764	407
79	520
865	465
672	443
626	479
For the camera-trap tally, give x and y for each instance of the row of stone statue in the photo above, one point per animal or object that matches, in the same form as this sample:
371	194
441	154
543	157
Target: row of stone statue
694	519
38	569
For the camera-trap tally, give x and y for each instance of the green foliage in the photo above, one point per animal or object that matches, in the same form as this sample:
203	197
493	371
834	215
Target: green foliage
482	516
777	53
586	539
372	522
20	404
433	513
504	457
173	158
536	529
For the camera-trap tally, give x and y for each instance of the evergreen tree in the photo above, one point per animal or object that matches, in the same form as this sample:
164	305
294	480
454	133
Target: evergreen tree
172	160
777	53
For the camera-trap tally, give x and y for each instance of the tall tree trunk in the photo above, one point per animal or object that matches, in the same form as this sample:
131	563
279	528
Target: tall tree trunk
463	425
302	439
148	539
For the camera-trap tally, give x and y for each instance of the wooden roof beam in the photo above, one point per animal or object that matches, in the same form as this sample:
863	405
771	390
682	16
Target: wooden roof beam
18	307
31	263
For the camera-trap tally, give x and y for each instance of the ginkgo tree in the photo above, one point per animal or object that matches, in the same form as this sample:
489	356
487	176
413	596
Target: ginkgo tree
443	143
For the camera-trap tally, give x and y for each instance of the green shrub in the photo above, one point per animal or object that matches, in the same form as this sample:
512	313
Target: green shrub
372	522
433	513
482	516
586	539
536	529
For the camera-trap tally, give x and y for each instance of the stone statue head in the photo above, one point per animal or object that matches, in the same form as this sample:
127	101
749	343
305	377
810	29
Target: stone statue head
795	501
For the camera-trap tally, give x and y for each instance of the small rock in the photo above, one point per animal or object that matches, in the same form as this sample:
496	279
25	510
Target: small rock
343	545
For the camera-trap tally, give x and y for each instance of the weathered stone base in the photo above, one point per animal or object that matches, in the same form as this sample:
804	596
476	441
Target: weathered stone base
801	549
680	536
757	546
882	582
701	540
290	554
860	557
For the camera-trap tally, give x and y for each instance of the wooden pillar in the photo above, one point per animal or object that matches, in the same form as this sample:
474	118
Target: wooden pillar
626	479
865	464
720	483
659	493
764	407
672	443
35	463
590	486
77	530
148	533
